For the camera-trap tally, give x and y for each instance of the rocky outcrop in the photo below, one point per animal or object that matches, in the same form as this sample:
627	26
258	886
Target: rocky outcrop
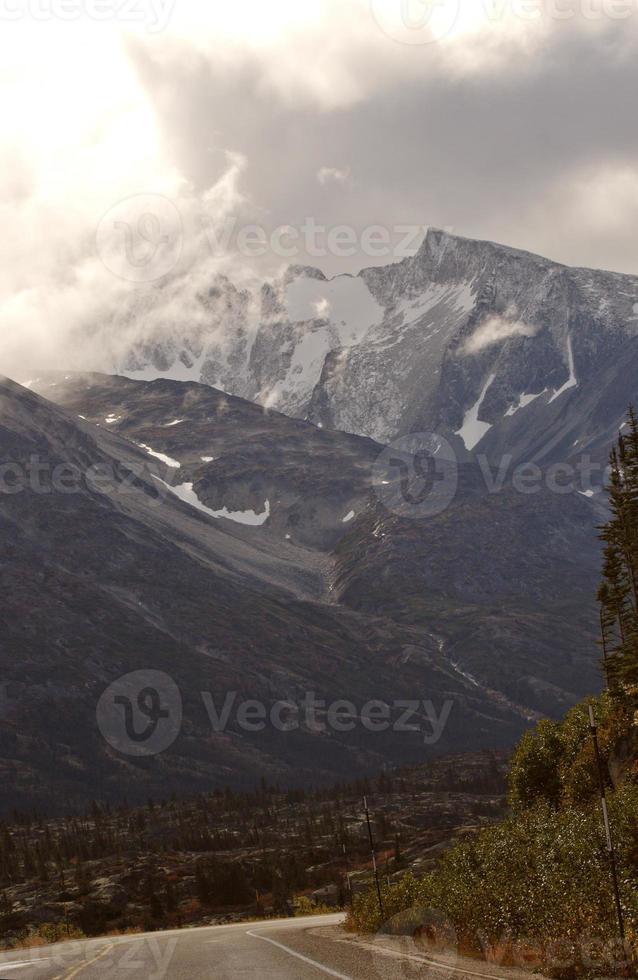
412	346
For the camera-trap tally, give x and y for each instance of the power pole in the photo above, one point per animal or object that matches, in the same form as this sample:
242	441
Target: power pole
610	843
603	635
374	857
348	879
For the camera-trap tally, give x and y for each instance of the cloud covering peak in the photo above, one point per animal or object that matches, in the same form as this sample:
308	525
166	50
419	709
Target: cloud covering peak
494	330
516	129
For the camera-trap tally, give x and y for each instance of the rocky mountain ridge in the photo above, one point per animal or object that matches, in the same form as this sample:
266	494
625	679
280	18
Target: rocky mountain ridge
492	347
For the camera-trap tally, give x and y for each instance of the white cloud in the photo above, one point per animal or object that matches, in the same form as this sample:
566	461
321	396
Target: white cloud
64	303
326	175
82	130
322	307
495	330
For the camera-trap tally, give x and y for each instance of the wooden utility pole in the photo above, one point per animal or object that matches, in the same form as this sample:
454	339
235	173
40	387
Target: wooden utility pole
348	878
374	857
610	843
603	635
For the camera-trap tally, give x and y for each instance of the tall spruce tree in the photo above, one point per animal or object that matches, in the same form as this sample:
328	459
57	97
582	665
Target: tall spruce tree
618	592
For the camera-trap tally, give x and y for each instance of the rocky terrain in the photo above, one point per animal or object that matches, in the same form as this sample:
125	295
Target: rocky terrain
541	355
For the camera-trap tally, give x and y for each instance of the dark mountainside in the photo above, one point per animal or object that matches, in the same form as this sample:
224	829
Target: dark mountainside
116	578
490	582
104	581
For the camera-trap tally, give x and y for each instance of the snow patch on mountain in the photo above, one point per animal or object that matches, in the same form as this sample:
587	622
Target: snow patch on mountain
572	380
248	517
414	308
321	316
186	493
473	429
167	460
523	401
305	367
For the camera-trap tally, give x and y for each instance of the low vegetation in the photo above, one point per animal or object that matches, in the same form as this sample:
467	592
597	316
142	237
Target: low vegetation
536	887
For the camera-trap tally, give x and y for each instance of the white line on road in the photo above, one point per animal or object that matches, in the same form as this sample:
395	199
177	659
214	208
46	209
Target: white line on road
5	967
299	956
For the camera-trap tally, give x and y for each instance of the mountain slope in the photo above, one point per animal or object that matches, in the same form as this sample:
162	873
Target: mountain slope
105	570
500	584
504	584
238	455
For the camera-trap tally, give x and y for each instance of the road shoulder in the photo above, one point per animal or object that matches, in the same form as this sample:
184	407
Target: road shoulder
408	949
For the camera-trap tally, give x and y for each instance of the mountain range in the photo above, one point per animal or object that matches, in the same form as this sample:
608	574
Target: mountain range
255	532
543	355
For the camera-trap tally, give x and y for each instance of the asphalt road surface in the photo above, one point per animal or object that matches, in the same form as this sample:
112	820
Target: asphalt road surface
289	949
282	949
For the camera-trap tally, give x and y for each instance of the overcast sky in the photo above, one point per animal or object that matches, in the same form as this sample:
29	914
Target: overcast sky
513	121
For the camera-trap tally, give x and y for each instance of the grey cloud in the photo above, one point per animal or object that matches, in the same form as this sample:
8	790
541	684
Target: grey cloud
538	152
482	153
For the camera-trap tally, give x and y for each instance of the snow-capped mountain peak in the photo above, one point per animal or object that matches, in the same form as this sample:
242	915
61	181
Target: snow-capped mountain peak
412	344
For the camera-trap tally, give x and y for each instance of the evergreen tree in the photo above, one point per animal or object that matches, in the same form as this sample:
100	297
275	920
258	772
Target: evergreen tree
618	592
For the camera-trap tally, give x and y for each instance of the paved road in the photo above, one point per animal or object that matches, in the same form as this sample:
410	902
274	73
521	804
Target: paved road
284	949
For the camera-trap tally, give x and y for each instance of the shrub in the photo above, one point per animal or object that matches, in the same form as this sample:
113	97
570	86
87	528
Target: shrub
57	932
555	762
543	874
